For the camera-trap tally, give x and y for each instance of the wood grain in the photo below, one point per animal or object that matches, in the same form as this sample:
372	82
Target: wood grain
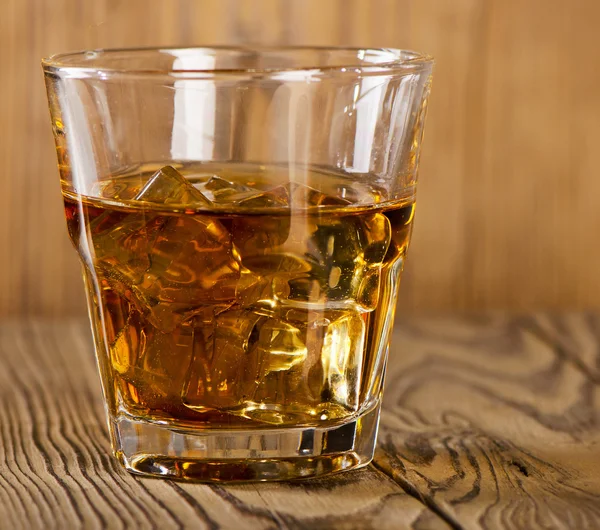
488	423
507	203
56	470
495	422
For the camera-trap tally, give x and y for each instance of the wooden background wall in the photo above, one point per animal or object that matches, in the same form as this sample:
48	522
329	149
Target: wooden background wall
509	200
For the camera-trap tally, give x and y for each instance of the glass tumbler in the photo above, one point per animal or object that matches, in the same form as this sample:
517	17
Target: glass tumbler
242	217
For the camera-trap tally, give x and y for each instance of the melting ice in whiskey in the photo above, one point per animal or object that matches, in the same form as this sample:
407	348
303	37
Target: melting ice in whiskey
235	295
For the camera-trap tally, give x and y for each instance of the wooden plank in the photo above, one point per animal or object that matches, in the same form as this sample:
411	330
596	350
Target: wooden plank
56	470
506	193
507	202
494	422
490	422
435	274
303	27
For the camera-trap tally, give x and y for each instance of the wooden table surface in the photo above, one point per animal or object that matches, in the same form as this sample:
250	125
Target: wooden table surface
489	423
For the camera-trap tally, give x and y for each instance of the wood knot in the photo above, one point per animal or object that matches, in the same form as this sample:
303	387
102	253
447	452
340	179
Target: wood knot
520	466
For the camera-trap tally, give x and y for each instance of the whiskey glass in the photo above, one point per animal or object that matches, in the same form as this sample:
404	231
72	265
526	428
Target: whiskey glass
242	216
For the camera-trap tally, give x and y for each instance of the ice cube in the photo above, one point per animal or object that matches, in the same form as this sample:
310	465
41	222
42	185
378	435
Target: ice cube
262	292
246	348
166	356
331	373
255	236
279	347
168	266
303	196
275	197
156	362
347	253
319	373
275	367
336	249
368	290
342	357
220	190
276	364
223	191
139	353
122	239
120	329
277	263
376	236
191	258
219	376
321	257
190	264
277	278
276	246
120	243
298	195
168	186
216	184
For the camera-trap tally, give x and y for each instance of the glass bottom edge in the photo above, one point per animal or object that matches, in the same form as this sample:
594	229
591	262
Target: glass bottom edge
292	453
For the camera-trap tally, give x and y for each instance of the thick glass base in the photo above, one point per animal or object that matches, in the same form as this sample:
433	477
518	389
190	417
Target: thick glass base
241	456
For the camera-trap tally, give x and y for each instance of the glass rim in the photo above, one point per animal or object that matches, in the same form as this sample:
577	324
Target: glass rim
402	61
